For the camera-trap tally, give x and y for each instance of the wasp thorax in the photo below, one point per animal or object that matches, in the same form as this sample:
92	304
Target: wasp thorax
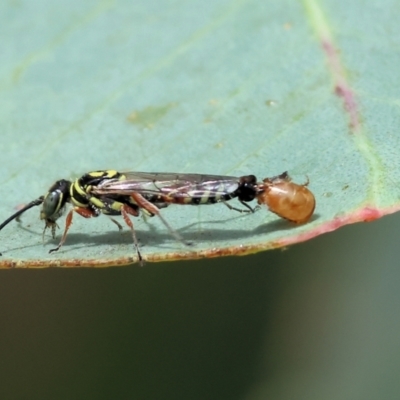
289	200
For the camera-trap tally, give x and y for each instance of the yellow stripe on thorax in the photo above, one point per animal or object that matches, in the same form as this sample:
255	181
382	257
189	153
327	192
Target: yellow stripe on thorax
109	174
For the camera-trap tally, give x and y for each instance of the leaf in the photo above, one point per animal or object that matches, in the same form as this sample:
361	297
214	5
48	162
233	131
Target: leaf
223	87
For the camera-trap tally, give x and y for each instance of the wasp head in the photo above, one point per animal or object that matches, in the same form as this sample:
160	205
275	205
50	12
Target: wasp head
54	202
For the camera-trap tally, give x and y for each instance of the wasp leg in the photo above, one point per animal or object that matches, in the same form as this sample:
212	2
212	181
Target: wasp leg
125	211
152	209
249	209
117	223
84	212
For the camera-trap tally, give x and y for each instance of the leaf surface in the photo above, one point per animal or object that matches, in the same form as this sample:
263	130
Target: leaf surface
223	87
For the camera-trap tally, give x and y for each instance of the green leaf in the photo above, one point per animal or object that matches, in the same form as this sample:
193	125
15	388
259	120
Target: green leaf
221	87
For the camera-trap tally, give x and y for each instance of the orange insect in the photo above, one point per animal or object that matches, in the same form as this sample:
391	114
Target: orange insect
287	199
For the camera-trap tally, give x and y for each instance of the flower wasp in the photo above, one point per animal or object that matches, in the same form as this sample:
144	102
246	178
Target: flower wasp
113	193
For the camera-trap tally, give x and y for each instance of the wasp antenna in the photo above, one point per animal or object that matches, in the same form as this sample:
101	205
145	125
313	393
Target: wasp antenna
33	203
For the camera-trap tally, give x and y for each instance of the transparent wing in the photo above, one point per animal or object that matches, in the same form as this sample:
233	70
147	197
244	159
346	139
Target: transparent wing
168	184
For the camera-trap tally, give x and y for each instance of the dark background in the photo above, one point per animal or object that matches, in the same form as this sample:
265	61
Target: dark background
318	321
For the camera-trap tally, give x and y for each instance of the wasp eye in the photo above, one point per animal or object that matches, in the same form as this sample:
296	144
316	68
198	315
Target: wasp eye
51	204
54	201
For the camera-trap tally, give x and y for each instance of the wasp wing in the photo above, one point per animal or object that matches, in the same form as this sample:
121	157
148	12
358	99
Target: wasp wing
168	184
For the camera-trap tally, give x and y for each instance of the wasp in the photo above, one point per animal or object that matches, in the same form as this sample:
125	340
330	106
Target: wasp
113	193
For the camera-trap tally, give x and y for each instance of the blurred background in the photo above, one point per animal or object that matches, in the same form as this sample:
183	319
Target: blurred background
317	321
